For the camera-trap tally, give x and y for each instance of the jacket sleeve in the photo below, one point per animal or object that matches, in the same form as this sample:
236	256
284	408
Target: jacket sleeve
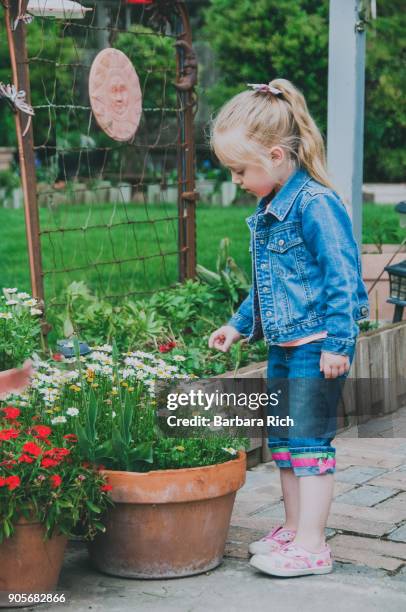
328	235
242	320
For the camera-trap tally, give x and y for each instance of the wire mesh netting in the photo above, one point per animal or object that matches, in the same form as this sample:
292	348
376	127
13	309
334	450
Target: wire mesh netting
108	209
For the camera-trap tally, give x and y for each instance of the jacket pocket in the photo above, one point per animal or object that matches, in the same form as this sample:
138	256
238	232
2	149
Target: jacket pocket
280	243
293	295
286	251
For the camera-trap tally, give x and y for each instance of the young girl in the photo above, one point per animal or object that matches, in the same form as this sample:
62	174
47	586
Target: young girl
307	294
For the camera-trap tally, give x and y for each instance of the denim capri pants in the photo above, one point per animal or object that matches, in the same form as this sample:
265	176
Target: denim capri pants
310	400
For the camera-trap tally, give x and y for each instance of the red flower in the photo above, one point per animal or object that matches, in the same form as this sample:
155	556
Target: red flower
42	431
2	482
8	434
106	487
26	459
56	481
165	348
32	448
57	357
57	453
8	464
13	482
71	437
48	463
10	412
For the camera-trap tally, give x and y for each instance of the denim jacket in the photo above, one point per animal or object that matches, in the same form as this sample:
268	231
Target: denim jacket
306	269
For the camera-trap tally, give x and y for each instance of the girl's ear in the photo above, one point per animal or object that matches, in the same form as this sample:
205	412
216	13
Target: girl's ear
277	155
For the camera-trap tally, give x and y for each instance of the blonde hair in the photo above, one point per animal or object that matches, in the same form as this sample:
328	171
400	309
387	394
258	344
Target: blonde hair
265	120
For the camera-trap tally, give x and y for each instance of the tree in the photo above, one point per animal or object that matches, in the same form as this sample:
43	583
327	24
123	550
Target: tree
258	41
385	116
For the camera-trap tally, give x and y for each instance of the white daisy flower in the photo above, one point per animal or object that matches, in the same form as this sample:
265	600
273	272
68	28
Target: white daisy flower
72	412
127	373
11	302
23	296
58	420
11	290
107	348
35	311
6	315
30	303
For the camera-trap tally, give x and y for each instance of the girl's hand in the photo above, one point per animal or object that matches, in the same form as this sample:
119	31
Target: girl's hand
224	337
16	379
334	365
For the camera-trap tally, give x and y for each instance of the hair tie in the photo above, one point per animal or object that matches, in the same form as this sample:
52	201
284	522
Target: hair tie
265	88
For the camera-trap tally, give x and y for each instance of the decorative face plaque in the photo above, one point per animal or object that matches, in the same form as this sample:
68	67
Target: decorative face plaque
115	94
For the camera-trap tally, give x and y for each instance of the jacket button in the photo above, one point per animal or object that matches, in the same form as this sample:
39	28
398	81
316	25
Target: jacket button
281	242
268	313
262	241
264	266
364	310
266	289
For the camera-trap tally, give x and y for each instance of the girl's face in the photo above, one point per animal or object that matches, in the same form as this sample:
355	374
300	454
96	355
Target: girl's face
254	179
259	179
262	181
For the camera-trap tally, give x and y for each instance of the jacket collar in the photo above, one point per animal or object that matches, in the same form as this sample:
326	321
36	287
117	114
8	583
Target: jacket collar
282	202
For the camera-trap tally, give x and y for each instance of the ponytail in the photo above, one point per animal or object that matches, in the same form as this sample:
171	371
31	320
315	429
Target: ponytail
310	150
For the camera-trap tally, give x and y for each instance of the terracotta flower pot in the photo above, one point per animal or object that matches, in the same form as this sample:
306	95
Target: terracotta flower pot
168	523
28	563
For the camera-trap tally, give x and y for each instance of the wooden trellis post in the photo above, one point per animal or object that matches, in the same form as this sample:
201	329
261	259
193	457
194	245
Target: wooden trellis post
25	140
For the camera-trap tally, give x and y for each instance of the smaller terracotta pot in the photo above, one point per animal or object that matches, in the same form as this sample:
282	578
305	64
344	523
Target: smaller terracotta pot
28	563
168	523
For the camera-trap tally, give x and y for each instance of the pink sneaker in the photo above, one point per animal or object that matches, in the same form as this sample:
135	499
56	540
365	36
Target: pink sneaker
293	560
272	541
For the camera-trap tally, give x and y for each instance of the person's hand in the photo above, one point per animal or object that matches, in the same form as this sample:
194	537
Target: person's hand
17	379
334	365
224	337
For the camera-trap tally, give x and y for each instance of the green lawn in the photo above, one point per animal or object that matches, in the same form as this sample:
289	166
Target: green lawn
148	235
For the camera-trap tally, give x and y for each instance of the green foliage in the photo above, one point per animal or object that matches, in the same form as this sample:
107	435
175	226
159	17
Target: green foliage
47	47
170	453
381	225
229	279
9	180
385	117
185	315
255	42
258	41
19	328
